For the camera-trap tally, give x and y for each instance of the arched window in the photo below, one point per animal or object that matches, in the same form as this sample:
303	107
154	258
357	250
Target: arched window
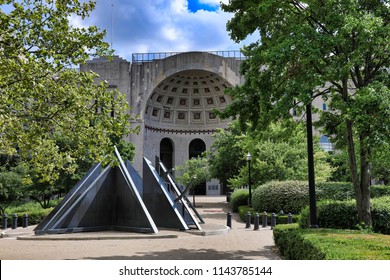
166	152
197	147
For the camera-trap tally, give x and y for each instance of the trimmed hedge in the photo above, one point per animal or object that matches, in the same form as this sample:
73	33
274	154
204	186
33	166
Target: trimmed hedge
343	214
292	245
34	217
35	213
289	196
335	191
330	244
379	191
332	214
238	198
380	214
292	196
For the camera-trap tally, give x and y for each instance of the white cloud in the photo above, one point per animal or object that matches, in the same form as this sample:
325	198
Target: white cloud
179	6
161	25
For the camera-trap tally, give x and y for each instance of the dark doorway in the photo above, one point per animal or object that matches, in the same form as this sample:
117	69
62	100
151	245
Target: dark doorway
166	152
197	147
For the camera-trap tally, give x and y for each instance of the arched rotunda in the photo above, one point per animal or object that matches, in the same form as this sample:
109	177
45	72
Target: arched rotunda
172	96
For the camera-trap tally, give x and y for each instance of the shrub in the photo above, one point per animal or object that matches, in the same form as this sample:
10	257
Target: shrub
35	213
380	214
379	191
332	214
237	198
243	209
330	244
289	196
343	214
292	244
345	191
335	191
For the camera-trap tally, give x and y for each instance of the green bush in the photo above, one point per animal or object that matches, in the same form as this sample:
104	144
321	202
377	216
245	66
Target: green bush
343	214
237	198
35	213
243	209
335	191
379	191
293	246
289	196
345	191
380	214
332	214
330	244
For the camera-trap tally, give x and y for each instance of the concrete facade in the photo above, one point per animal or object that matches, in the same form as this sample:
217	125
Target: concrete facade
172	97
172	101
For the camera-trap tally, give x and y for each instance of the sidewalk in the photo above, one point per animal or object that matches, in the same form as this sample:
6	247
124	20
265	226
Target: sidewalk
215	241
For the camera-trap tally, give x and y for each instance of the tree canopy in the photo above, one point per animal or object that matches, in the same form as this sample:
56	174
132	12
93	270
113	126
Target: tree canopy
278	153
51	114
337	49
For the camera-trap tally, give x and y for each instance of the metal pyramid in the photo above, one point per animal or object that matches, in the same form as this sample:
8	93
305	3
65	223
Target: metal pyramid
106	199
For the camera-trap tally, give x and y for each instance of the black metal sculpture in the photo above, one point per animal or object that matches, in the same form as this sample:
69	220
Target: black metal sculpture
166	202
106	199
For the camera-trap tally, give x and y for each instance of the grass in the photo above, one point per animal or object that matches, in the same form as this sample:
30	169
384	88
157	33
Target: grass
350	245
330	244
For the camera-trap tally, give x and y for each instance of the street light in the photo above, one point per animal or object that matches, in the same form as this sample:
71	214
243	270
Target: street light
248	159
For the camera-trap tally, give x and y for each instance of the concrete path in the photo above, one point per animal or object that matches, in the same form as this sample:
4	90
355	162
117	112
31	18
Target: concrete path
215	243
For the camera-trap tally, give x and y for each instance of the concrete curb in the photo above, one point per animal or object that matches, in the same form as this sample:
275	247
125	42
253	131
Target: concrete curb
90	237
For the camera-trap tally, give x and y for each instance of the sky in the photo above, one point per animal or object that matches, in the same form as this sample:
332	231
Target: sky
144	26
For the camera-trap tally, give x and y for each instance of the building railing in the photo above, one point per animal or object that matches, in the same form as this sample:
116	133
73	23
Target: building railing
148	57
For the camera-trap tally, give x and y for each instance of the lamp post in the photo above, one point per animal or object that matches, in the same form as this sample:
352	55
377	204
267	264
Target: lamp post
248	159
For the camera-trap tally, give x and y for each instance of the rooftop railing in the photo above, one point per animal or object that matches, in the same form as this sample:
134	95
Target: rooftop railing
148	57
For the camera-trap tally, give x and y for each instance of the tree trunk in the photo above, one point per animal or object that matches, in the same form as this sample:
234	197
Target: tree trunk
353	164
364	212
361	185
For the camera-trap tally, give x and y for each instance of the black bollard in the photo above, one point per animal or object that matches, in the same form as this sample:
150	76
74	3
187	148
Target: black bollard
273	220
289	218
229	220
5	222
25	220
256	221
248	219
15	221
264	224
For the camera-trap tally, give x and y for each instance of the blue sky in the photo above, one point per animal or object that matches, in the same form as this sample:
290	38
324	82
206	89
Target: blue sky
139	26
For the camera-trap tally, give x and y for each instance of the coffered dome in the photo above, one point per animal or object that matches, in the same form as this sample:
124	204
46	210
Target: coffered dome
187	100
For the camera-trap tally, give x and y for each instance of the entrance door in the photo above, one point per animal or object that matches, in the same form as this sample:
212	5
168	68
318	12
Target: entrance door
196	148
166	153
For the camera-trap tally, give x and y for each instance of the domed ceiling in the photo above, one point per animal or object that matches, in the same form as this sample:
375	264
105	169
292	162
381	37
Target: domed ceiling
187	100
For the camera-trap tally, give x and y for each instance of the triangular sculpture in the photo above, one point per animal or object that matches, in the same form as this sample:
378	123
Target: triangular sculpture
160	201
103	200
188	211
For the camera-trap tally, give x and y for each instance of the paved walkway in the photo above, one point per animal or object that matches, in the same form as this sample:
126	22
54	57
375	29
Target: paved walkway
215	243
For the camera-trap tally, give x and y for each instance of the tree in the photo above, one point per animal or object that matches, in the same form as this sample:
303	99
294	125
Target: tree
279	153
225	157
13	184
336	49
194	170
44	98
381	164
